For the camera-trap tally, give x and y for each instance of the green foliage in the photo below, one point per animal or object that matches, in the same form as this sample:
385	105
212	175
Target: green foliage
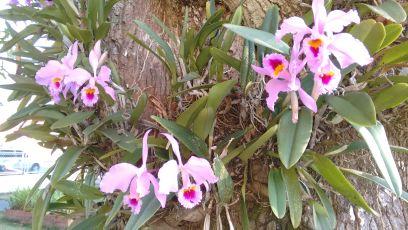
377	142
367	30
225	185
277	193
294	195
332	174
18	200
390	10
293	138
260	37
91	140
356	108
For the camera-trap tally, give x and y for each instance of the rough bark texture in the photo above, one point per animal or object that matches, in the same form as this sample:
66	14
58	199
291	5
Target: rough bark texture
136	65
255	9
141	69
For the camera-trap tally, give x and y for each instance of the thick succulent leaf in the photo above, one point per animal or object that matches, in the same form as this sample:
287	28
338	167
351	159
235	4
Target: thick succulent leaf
378	180
225	185
259	37
277	193
355	107
392	33
256	144
320	217
185	136
294	137
390	10
294	195
65	163
377	142
396	54
391	97
71	119
366	31
332	174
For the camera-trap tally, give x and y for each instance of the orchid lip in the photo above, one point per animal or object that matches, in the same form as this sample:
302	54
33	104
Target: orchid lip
190	193
56	81
90	93
133	201
326	77
277	65
315	45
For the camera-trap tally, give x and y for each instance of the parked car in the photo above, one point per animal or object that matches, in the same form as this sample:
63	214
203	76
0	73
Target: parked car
17	161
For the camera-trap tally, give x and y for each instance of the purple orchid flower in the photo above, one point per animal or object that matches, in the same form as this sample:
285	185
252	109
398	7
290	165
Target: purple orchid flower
124	176
285	79
54	74
325	37
199	169
51	76
79	77
13	2
326	80
46	3
96	58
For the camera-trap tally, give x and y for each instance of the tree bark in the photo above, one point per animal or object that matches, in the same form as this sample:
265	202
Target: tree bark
137	66
254	10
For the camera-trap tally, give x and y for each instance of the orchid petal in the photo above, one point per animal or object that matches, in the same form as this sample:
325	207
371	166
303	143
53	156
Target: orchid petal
94	56
104	75
319	15
349	50
190	196
200	169
110	91
327	79
161	197
71	57
175	146
134	202
51	69
307	100
118	177
143	184
273	88
78	76
337	20
261	70
145	148
168	181
292	25
90	94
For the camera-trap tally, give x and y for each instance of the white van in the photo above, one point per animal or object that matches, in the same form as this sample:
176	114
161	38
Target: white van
16	161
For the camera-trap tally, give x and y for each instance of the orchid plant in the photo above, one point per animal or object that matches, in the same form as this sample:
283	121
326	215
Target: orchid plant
62	77
316	44
114	171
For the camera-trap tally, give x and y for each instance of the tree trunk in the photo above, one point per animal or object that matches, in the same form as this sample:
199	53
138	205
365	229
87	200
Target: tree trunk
140	68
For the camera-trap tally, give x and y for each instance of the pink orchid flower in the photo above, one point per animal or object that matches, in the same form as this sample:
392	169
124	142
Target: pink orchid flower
124	176
325	37
13	2
53	75
326	80
80	76
103	76
199	169
274	65
286	80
